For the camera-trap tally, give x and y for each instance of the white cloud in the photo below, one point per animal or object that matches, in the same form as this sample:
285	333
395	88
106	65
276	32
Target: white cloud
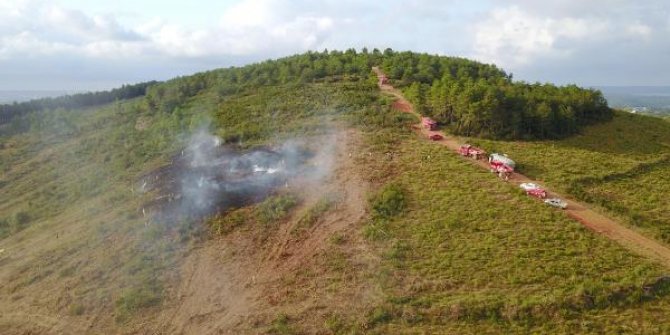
81	26
638	29
250	14
511	36
26	43
250	27
589	42
522	36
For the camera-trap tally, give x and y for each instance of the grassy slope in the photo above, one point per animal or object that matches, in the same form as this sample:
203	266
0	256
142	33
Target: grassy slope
621	166
469	254
472	254
83	227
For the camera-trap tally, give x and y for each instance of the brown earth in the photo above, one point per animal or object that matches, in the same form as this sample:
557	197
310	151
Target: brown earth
239	283
581	212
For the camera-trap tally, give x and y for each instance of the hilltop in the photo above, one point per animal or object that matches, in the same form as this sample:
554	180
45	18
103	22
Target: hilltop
357	224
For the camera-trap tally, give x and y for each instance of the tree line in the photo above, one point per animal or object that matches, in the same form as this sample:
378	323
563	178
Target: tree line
467	97
9	111
475	99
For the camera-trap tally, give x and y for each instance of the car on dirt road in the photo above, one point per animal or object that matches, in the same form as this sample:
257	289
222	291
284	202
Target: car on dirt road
435	137
537	192
556	202
534	190
529	186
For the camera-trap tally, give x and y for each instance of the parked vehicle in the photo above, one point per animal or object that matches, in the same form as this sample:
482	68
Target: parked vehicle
470	151
529	186
556	202
429	123
501	165
383	80
538	193
534	190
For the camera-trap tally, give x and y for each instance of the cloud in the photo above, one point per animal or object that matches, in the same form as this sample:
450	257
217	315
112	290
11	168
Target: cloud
592	42
511	36
251	26
35	28
638	29
522	36
84	28
44	32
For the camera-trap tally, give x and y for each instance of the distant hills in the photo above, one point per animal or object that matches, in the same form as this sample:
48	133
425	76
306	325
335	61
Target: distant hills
10	96
649	99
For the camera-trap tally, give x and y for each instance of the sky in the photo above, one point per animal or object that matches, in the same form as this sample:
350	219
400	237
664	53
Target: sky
82	45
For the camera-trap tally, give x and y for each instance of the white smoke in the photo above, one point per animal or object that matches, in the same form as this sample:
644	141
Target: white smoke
269	170
202	146
209	176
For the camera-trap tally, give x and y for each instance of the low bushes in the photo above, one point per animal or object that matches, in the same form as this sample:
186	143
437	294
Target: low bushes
134	299
17	222
274	208
388	202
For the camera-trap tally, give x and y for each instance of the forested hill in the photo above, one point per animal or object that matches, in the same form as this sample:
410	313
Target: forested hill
468	97
9	111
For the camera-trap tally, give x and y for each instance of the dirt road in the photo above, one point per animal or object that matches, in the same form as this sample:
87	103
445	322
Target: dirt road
597	222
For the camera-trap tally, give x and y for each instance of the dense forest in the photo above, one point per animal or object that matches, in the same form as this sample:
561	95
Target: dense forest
468	97
477	99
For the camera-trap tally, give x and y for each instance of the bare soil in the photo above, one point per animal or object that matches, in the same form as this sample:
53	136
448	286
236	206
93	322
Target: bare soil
581	212
239	283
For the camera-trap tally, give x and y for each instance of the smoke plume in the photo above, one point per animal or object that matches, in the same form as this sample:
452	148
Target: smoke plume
209	176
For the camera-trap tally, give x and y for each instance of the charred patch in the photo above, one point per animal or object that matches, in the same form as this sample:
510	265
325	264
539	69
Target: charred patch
209	177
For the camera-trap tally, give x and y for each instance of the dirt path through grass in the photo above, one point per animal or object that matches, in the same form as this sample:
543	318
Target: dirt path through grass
597	222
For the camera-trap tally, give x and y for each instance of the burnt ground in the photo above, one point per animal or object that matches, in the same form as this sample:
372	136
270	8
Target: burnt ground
240	283
208	179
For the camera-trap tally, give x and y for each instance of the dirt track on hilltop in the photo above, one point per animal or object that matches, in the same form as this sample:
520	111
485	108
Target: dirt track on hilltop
581	212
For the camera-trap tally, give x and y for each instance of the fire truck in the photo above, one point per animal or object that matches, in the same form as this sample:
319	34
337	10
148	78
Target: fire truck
501	165
429	123
467	150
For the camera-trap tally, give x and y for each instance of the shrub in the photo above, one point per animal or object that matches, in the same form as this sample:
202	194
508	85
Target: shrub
20	219
379	315
335	324
375	231
15	223
137	298
225	223
76	309
5	228
389	201
312	215
274	208
280	325
338	238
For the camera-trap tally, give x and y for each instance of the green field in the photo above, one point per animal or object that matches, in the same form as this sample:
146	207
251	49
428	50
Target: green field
470	254
620	166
